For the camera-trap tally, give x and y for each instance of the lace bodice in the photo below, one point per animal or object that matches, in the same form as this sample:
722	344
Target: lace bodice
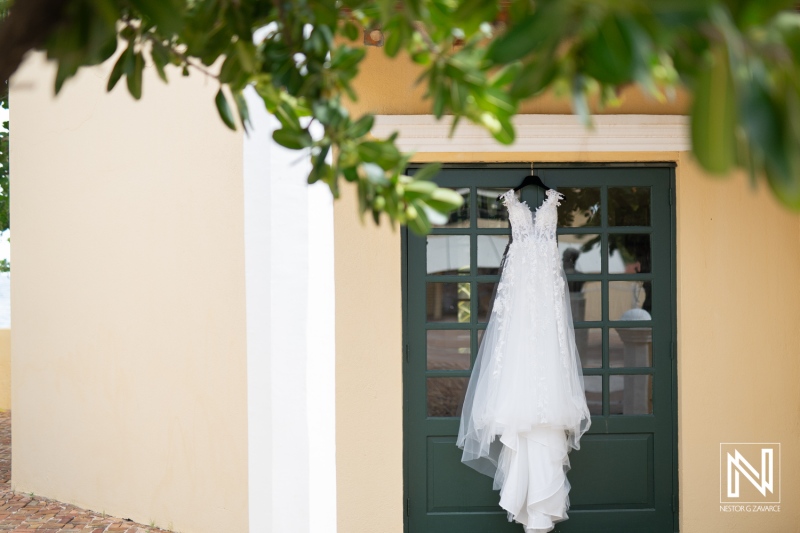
540	224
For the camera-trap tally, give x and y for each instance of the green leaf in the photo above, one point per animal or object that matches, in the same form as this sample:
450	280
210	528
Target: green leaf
64	72
535	32
119	68
714	115
350	31
160	59
166	14
534	76
610	56
385	154
428	171
292	139
134	78
361	127
761	117
224	110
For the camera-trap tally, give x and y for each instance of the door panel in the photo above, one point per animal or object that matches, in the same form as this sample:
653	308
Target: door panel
616	239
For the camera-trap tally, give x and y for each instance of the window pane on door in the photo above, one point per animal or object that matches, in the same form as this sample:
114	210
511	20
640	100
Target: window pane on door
448	349
448	301
629	253
589	342
630	394
580	207
580	253
460	217
446	396
629	347
491	211
447	254
627	299
629	206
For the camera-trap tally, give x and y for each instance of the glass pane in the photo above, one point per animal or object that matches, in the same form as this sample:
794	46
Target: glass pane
629	300
629	254
585	300
448	349
448	254
485	300
460	217
491	212
630	395
580	207
590	346
446	396
630	347
580	253
480	336
629	206
448	302
490	253
594	393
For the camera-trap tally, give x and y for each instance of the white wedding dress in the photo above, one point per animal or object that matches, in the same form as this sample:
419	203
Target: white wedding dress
525	405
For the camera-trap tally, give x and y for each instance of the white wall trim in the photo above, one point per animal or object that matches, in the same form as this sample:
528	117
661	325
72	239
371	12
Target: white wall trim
542	133
289	282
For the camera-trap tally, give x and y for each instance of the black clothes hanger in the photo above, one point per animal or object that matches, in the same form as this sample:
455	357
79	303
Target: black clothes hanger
530	180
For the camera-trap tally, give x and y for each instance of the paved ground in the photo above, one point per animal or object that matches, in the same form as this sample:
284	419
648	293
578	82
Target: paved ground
21	513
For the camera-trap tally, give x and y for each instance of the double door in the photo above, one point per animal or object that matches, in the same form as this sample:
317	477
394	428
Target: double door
616	238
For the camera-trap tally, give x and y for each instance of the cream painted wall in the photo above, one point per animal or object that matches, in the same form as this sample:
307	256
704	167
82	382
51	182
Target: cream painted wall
129	362
5	369
738	271
369	389
738	368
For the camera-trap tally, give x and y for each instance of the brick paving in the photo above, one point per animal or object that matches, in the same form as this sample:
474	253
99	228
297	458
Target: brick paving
21	513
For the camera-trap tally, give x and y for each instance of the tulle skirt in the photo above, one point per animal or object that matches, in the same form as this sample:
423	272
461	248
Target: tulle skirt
525	406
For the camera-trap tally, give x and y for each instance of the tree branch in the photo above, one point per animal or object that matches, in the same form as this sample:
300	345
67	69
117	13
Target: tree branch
28	25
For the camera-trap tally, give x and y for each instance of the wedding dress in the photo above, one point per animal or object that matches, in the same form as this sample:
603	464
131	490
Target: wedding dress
525	405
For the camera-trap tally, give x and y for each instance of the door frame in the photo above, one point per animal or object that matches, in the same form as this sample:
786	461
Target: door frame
673	313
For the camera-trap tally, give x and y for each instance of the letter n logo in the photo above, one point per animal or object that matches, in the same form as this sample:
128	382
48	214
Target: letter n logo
750	472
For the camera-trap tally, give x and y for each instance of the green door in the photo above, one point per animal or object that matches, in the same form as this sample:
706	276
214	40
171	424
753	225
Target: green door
616	237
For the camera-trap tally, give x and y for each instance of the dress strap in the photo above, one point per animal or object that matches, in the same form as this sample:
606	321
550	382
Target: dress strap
552	193
508	197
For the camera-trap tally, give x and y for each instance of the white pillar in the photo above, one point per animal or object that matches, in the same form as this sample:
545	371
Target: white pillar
290	333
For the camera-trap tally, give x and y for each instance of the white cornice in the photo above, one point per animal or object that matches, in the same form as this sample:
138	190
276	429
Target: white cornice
542	133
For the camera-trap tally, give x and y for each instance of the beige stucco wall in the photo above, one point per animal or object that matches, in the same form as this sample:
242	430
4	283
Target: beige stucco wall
129	386
738	273
5	369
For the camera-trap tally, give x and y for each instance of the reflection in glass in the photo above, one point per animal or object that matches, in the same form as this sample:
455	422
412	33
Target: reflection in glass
446	396
448	254
629	206
460	217
594	393
485	300
589	342
447	302
580	207
629	300
630	347
490	253
629	253
491	211
580	253
630	394
585	300
448	349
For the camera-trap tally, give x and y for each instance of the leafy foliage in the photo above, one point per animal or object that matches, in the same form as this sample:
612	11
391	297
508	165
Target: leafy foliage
738	58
